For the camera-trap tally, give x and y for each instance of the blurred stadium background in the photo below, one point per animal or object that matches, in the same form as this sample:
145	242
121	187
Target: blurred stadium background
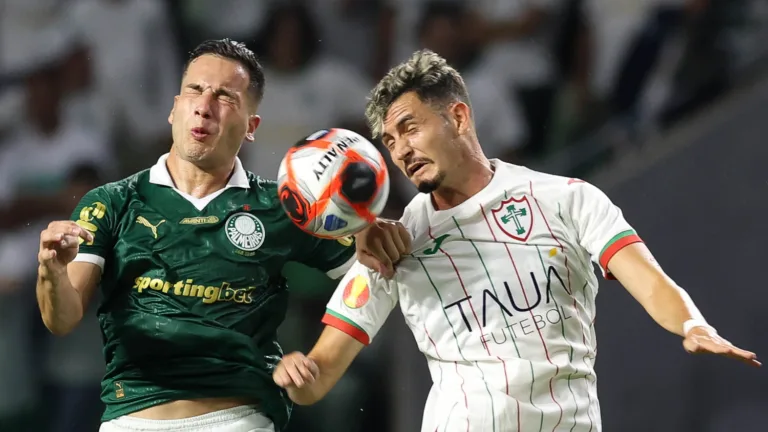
662	103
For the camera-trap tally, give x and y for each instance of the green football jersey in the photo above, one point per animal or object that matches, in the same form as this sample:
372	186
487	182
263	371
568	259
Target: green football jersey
192	288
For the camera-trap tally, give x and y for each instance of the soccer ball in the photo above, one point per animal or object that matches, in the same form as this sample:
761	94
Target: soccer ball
333	183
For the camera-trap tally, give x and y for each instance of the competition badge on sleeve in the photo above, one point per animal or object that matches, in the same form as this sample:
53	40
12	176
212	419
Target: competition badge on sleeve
357	292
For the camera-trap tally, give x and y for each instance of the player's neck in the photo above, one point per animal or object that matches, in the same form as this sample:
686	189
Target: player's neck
195	181
475	175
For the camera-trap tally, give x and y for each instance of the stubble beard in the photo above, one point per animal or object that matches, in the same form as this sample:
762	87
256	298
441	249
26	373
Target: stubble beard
429	186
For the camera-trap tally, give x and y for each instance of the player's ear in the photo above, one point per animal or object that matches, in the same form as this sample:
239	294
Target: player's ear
253	123
173	108
462	118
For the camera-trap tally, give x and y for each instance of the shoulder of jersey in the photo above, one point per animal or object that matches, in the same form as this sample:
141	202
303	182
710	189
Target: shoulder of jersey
549	182
265	189
122	188
258	182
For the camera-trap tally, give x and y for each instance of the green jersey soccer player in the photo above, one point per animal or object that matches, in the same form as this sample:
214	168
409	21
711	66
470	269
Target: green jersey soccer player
189	255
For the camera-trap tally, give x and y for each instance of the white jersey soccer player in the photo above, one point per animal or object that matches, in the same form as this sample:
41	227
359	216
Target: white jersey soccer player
500	296
499	290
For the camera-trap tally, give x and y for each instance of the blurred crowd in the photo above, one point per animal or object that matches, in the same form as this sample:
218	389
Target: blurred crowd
86	87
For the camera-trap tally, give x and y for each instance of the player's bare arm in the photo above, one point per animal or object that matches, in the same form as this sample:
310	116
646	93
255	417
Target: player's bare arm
64	288
670	305
381	245
309	378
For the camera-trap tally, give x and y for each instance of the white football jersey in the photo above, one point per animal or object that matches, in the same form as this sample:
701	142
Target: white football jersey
500	295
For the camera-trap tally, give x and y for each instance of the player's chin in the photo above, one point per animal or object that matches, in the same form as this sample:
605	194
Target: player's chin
427	185
196	155
427	182
200	149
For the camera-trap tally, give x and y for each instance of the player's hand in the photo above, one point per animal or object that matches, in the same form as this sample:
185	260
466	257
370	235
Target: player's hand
703	340
381	245
295	370
59	244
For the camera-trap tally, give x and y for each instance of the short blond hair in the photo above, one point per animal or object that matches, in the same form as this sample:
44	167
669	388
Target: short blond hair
425	73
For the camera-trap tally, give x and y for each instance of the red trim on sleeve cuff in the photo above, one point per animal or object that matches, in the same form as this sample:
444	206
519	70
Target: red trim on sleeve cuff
615	247
346	327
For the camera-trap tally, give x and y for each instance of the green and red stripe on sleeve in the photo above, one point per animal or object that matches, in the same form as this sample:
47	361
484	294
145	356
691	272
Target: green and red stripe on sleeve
615	244
346	325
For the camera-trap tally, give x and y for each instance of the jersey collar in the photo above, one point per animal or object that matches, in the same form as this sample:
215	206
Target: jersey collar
470	207
159	174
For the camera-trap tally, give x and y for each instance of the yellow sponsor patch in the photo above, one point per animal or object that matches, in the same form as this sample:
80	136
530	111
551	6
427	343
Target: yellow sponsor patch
201	220
88	213
346	241
209	294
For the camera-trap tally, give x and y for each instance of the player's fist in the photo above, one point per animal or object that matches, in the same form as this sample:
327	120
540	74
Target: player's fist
381	245
704	340
295	370
59	244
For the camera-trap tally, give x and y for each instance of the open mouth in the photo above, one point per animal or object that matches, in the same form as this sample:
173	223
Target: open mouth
416	167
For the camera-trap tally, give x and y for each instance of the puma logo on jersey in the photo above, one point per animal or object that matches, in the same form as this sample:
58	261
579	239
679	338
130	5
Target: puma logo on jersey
436	247
143	221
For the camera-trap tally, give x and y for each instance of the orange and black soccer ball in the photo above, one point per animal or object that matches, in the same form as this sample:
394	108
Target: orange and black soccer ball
333	183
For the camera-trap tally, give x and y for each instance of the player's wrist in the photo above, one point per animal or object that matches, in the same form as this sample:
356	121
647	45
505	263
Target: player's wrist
694	323
49	273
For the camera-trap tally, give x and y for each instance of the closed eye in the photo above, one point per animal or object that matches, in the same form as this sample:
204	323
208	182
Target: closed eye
226	95
194	88
387	141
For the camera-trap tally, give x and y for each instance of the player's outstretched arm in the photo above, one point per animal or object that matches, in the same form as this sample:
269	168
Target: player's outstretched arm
668	304
64	287
309	378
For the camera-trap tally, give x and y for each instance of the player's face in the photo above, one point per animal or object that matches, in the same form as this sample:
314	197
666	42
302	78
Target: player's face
422	142
213	113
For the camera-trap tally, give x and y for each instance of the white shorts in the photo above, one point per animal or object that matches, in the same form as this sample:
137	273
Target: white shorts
238	419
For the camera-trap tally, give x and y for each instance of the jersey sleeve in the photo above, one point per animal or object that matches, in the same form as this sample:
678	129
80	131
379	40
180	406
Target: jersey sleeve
334	257
600	225
95	214
361	303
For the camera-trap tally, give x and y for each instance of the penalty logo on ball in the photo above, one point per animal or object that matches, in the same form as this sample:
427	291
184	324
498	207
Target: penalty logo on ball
357	292
245	231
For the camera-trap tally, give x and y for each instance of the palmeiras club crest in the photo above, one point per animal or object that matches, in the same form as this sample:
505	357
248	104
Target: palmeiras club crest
514	218
245	231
